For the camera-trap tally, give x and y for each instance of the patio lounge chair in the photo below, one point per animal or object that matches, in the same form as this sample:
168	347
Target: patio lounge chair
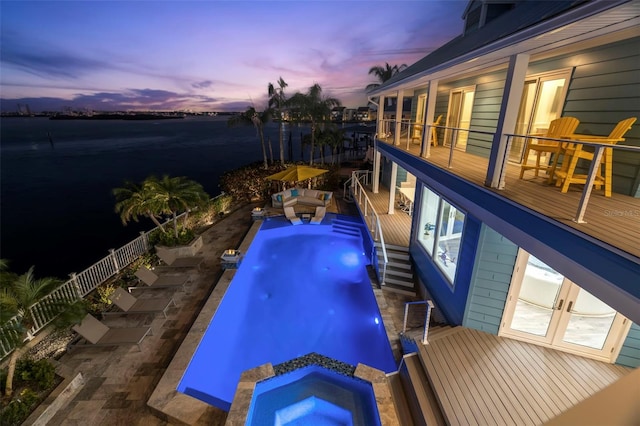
291	215
171	259
319	215
153	280
98	334
131	305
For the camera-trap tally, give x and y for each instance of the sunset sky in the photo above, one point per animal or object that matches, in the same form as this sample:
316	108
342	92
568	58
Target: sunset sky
206	55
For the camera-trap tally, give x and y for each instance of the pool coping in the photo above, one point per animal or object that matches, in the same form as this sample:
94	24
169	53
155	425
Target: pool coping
244	393
184	409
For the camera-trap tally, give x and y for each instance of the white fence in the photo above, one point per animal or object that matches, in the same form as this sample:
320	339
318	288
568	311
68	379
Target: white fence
77	287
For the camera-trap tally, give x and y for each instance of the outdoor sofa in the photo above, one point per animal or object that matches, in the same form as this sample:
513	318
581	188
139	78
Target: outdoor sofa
310	197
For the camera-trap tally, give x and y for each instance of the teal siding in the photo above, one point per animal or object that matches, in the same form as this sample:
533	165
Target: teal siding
630	352
604	89
490	281
486	108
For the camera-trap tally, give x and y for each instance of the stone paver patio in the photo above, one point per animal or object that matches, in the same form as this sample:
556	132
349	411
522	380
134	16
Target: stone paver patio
120	380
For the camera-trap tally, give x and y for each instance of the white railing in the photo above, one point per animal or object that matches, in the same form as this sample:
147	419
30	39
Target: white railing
363	176
590	175
78	286
425	332
371	219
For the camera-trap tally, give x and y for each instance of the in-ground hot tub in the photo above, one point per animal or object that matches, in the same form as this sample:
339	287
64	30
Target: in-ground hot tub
313	395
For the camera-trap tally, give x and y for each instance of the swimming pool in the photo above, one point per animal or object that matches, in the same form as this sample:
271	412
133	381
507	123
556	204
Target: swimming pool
299	289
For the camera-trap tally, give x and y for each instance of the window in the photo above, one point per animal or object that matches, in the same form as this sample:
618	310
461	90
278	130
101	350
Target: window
441	226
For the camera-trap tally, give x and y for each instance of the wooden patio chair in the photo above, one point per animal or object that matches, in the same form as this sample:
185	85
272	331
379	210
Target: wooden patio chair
558	129
573	152
98	334
128	304
417	132
434	131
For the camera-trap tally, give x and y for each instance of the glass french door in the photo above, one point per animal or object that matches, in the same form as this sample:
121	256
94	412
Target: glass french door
542	101
545	307
459	116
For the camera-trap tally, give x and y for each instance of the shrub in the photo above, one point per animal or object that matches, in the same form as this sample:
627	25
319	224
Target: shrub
157	237
222	203
41	373
17	410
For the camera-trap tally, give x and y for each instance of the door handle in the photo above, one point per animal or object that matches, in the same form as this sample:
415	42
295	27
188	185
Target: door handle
559	307
569	306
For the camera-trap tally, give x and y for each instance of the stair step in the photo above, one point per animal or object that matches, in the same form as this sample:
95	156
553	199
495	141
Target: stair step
346	227
394	255
393	247
400	290
438	332
425	401
393	280
399	399
399	269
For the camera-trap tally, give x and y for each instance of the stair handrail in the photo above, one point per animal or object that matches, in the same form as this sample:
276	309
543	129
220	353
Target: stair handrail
359	175
425	332
375	227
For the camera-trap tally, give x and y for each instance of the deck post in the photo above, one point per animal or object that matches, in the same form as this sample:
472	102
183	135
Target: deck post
398	129
430	112
511	96
392	187
588	185
375	185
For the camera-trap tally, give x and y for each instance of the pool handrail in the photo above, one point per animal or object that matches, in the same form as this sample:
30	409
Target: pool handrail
375	227
425	331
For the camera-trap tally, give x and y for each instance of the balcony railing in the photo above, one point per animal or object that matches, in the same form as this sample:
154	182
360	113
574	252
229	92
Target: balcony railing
411	140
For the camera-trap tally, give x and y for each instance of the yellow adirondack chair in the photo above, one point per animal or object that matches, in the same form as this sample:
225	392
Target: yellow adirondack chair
559	129
574	151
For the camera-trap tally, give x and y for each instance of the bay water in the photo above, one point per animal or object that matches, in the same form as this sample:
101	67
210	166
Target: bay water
57	176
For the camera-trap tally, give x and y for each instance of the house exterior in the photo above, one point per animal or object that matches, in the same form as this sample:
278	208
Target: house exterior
363	114
338	113
487	261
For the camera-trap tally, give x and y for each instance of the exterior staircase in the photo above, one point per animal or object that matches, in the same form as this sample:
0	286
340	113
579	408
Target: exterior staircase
399	277
415	400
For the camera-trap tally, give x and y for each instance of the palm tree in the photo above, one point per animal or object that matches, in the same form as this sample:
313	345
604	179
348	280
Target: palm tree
314	107
334	138
277	101
384	73
257	119
16	297
171	195
134	200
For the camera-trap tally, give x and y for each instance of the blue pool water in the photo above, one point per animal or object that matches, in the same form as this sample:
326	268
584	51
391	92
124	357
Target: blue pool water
313	396
299	289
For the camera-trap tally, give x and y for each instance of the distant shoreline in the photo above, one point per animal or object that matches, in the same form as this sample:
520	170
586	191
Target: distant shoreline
116	117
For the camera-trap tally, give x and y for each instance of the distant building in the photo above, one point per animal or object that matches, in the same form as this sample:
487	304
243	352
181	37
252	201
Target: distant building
338	113
363	114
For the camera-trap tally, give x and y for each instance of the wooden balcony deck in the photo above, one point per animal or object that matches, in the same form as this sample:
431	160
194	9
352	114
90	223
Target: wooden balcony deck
614	220
482	379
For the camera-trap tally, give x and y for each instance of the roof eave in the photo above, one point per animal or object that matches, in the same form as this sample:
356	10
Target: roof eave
555	24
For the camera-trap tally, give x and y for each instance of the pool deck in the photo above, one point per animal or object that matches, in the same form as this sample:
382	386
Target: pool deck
119	381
